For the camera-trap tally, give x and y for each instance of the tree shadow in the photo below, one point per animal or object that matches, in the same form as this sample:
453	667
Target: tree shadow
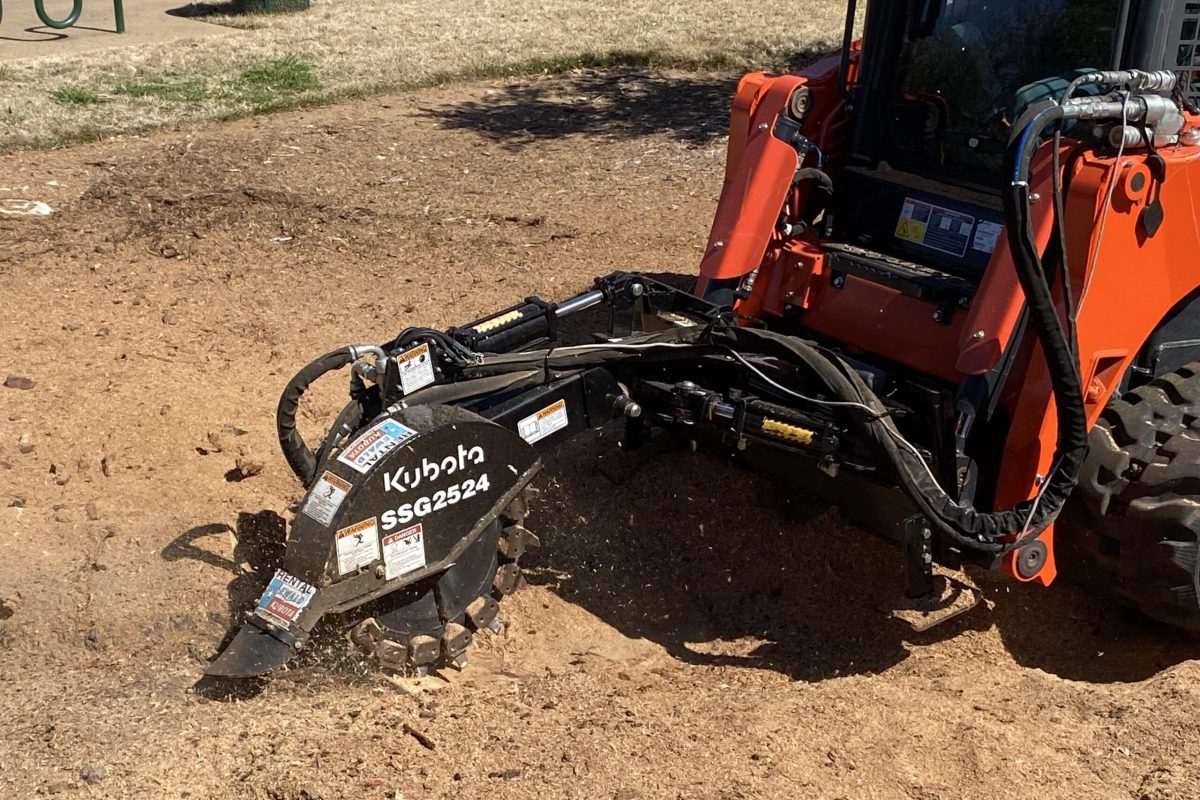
723	567
616	103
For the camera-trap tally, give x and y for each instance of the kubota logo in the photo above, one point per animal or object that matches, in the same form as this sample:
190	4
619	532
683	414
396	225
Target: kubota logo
403	478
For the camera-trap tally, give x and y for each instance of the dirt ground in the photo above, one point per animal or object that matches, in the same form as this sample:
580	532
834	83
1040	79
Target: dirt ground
688	632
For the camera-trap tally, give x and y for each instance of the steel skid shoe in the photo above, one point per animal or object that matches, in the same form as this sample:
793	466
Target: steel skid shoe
411	533
933	594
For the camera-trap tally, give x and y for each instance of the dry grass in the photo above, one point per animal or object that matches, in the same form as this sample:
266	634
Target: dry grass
348	48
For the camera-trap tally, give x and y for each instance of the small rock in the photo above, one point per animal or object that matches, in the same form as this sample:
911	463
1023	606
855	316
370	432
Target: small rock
106	464
17	502
93	513
91	640
169	317
19	382
25	443
63	516
60	474
508	774
219	441
245	467
164	410
102	249
102	332
70	326
58	787
93	773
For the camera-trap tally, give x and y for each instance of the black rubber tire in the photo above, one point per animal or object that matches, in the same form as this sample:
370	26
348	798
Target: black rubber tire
1130	529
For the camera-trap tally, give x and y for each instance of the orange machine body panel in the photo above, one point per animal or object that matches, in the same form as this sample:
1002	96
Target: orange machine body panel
1126	283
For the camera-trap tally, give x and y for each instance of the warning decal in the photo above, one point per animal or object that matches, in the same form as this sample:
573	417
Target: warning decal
545	422
986	236
357	545
416	368
375	443
286	596
326	498
934	227
403	551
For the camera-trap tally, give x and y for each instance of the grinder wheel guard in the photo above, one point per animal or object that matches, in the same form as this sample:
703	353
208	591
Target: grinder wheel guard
414	526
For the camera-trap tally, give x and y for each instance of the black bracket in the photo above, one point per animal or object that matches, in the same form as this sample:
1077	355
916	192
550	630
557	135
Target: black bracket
918	558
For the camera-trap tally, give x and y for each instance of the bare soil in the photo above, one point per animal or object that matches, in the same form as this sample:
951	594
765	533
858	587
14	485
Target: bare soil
690	631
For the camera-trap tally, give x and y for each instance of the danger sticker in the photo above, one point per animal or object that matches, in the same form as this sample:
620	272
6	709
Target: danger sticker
545	422
357	545
326	498
416	368
286	596
934	227
375	443
403	551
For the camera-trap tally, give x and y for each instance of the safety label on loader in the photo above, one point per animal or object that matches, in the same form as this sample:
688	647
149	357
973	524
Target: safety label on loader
986	236
326	498
375	443
403	551
357	545
286	596
545	422
934	227
416	368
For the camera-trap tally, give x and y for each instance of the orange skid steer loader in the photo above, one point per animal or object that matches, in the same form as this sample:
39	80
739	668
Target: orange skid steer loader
952	281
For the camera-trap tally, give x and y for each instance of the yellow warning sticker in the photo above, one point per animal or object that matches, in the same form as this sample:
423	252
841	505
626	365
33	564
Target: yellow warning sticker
910	229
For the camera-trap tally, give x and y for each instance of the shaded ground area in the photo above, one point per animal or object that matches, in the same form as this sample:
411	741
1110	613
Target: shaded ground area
627	103
690	631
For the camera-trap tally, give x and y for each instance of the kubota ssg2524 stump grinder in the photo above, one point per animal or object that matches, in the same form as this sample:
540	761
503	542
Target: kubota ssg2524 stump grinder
952	281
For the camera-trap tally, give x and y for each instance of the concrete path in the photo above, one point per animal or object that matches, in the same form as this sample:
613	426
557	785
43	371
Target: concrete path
22	34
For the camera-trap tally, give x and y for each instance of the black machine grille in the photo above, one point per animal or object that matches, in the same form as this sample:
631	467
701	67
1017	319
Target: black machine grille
1187	50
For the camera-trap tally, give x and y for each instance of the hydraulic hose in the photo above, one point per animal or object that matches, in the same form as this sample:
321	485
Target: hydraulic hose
298	454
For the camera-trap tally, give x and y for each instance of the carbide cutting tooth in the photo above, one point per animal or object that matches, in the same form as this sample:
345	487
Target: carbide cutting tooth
482	611
494	626
391	654
422	671
507	578
367	634
422	650
514	541
455	640
459	662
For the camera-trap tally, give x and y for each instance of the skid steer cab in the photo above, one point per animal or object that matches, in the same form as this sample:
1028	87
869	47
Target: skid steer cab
950	280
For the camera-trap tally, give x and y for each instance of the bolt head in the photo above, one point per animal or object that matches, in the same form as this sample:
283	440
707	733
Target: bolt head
838	281
717	245
977	335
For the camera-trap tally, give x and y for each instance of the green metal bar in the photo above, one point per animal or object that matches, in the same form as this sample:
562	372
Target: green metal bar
119	15
58	24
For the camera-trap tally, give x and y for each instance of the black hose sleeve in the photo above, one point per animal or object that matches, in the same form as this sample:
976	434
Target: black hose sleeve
1056	343
299	457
